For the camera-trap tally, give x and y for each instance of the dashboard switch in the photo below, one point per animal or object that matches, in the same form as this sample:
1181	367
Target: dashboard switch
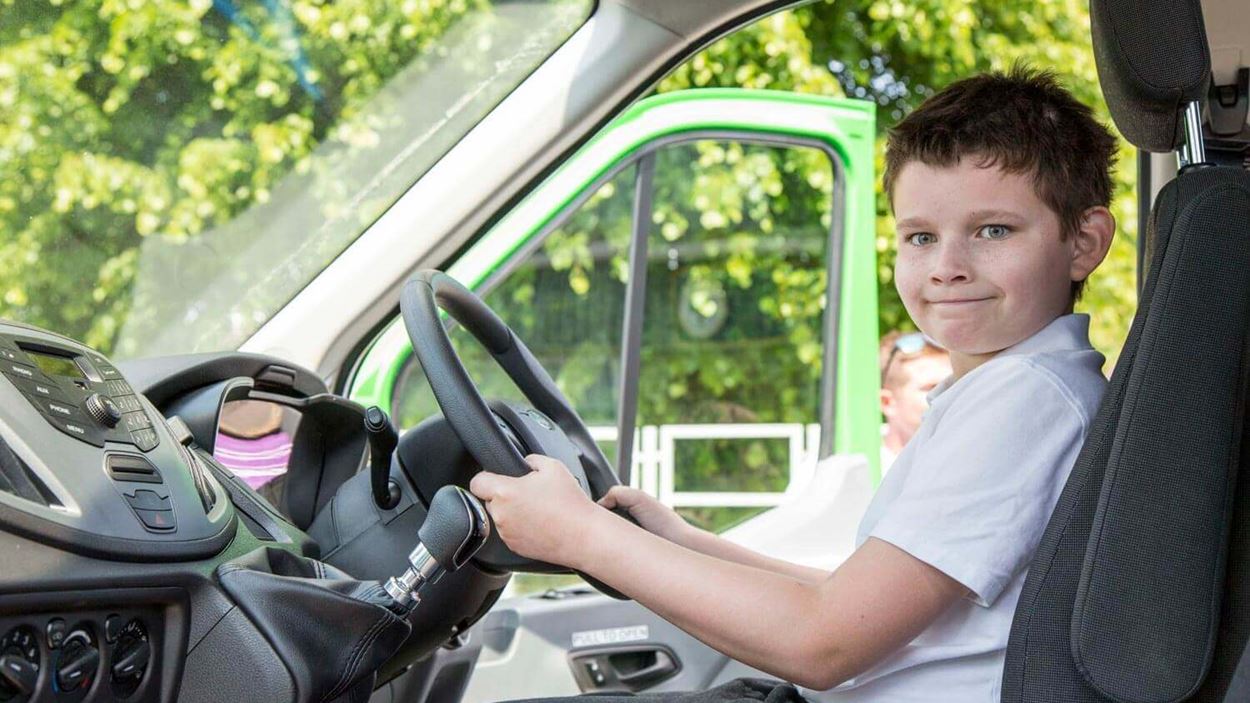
144	499
113	628
157	520
56	633
128	467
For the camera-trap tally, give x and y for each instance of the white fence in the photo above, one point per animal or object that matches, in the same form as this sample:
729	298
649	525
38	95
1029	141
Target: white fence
655	450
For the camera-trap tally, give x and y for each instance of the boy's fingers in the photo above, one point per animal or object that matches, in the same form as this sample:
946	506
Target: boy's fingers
622	495
541	462
486	485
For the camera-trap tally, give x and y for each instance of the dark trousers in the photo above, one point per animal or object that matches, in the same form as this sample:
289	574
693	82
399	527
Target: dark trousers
736	691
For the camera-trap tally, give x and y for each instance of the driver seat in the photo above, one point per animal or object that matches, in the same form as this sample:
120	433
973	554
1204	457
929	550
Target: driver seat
1140	589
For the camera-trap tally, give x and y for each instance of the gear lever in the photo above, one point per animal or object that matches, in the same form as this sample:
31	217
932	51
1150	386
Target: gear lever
454	529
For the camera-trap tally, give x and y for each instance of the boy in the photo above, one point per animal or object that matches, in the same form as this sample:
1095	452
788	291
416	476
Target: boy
1000	186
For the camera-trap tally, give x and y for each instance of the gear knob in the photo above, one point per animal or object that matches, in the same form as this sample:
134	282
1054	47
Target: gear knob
454	529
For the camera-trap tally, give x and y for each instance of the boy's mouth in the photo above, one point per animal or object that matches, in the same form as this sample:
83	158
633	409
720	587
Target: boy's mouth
956	302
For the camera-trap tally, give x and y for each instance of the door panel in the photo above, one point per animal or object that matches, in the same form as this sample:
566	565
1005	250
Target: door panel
535	634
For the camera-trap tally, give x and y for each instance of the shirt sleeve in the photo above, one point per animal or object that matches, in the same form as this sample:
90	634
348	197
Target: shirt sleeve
983	485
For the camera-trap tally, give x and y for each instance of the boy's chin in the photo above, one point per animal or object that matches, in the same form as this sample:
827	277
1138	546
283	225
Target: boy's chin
970	343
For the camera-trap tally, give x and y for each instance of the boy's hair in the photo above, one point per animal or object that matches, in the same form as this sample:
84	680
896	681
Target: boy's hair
1022	122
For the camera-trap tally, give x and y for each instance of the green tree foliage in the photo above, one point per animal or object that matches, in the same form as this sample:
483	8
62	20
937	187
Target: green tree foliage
133	123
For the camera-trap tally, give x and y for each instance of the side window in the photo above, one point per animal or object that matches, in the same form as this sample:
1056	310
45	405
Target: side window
565	299
732	342
729	385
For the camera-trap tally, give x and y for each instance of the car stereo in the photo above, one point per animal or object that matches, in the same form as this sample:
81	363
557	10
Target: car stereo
89	465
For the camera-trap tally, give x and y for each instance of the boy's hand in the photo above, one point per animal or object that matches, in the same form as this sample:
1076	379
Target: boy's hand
541	515
650	514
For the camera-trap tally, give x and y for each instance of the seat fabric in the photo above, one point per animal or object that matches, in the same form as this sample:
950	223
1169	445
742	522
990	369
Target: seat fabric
1160	612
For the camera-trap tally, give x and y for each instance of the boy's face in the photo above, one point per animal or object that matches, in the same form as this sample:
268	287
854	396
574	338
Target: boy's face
981	264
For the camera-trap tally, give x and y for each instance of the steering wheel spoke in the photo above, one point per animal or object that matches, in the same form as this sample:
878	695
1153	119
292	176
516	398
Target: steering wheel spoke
498	434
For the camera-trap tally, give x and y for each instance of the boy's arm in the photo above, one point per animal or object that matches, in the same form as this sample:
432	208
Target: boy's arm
816	634
662	520
712	545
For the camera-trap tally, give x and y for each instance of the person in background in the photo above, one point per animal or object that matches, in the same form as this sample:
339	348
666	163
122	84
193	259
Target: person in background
911	366
253	444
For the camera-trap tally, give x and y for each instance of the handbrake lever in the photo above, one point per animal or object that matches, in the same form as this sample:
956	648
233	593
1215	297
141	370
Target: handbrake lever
454	529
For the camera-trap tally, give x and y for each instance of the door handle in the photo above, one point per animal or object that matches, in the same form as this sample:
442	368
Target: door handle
629	668
663	668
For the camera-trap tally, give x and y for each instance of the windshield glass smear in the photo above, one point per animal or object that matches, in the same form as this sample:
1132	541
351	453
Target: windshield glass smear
171	174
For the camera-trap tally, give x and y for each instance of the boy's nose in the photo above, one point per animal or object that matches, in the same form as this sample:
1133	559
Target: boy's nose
950	265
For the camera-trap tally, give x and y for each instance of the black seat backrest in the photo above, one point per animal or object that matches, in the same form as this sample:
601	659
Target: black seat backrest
1140	591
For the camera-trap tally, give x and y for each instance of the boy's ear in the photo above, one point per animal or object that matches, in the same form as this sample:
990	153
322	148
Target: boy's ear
1091	241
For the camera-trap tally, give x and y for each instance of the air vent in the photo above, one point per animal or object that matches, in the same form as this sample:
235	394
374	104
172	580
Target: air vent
128	467
17	479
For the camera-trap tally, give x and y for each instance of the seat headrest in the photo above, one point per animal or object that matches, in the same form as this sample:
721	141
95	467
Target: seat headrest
1153	60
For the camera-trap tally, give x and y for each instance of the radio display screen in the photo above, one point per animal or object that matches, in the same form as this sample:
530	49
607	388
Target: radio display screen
56	365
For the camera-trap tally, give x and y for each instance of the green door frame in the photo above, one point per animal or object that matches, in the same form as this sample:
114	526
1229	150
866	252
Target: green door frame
846	127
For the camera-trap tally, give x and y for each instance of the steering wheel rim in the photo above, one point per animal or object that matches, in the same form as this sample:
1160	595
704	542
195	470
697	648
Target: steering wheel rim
466	411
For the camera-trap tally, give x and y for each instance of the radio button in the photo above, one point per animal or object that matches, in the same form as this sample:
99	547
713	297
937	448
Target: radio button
77	427
127	403
145	439
118	387
39	390
22	371
60	410
136	420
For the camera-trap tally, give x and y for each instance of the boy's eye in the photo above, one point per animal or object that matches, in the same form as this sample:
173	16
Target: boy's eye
994	231
920	238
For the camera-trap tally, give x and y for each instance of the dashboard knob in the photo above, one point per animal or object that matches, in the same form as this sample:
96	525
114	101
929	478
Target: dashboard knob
78	662
103	410
131	658
19	665
19	675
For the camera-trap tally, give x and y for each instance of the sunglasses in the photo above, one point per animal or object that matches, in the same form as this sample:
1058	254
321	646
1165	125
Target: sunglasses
908	345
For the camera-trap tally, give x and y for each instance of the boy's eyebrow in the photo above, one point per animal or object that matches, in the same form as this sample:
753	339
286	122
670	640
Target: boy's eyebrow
992	214
987	214
911	222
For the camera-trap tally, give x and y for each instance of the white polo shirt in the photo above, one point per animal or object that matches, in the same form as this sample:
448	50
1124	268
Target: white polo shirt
971	494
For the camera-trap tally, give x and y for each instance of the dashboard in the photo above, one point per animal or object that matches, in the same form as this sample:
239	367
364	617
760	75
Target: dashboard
116	521
90	468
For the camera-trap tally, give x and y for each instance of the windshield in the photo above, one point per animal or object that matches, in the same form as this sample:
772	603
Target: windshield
172	173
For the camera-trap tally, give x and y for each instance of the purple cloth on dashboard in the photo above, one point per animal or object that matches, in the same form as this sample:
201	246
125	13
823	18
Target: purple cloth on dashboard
256	461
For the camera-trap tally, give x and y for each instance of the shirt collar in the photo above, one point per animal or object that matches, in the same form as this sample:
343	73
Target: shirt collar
1064	333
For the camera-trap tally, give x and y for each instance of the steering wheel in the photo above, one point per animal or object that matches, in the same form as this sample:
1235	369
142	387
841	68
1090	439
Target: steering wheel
498	435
